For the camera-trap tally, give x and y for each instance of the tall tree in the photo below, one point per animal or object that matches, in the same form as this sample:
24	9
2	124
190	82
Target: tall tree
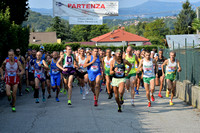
196	24
18	9
156	31
184	20
61	27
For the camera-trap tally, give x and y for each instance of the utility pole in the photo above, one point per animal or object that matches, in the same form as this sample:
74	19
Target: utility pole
198	16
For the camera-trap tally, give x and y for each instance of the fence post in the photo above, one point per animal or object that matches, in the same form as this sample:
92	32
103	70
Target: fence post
173	45
193	43
186	58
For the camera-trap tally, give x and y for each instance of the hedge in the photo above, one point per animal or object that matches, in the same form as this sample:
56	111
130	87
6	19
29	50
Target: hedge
75	46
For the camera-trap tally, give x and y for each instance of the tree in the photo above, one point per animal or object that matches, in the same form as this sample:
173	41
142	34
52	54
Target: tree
156	31
61	27
184	20
196	24
18	10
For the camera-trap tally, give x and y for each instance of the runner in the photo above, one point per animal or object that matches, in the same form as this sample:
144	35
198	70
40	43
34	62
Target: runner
47	75
117	69
61	81
31	69
39	76
23	63
170	73
131	78
147	65
55	75
82	72
138	75
29	53
160	60
93	64
12	67
68	70
106	70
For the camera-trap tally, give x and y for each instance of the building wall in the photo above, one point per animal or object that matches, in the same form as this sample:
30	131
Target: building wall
117	43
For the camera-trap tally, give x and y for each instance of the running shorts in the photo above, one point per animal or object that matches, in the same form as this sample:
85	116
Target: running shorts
81	74
116	81
55	80
159	73
131	75
12	80
171	77
148	79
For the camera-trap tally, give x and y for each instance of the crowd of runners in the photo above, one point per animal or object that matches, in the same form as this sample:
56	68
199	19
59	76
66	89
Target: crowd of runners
119	71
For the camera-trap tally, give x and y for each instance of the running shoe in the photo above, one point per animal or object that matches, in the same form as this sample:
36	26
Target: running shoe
69	102
32	89
57	99
81	91
135	89
159	95
171	103
132	102
137	92
95	103
37	100
86	91
84	97
101	89
49	96
13	109
109	96
167	93
61	90
152	98
121	100
65	92
119	109
43	99
94	97
27	90
103	84
149	104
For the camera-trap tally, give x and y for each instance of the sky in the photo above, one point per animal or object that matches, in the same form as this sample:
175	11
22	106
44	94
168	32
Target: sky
122	3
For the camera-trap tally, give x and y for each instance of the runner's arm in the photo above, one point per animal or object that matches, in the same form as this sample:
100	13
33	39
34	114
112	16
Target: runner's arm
140	66
165	63
75	61
129	64
111	67
179	66
20	68
59	62
45	64
86	64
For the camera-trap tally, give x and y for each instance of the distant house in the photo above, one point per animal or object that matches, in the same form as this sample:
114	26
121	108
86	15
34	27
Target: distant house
119	37
174	41
42	37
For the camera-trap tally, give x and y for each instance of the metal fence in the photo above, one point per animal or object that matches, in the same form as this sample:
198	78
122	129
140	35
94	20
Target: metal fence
190	63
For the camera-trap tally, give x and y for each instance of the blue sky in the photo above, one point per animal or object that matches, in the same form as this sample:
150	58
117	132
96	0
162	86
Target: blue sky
123	3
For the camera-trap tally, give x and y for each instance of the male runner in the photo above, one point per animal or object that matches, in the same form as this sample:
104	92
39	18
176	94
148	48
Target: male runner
160	60
22	60
47	75
131	78
11	67
55	75
117	69
82	72
147	65
93	64
138	75
67	64
170	73
106	70
39	76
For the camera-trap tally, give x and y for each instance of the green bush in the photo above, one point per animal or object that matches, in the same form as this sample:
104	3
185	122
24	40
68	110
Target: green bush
75	46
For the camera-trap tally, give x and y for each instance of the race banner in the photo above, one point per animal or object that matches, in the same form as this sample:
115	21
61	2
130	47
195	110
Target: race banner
86	20
85	8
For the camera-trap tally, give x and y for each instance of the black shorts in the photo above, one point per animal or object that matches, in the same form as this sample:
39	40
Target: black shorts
66	76
47	76
31	76
159	73
80	74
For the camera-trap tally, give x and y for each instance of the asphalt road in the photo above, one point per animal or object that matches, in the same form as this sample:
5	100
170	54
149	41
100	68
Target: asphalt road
83	117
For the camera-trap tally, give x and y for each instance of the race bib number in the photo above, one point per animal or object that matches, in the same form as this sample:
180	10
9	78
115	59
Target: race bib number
55	71
95	67
148	71
119	73
159	67
12	74
108	65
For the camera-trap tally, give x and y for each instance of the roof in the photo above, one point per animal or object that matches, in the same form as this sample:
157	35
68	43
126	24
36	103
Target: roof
119	35
83	43
42	37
